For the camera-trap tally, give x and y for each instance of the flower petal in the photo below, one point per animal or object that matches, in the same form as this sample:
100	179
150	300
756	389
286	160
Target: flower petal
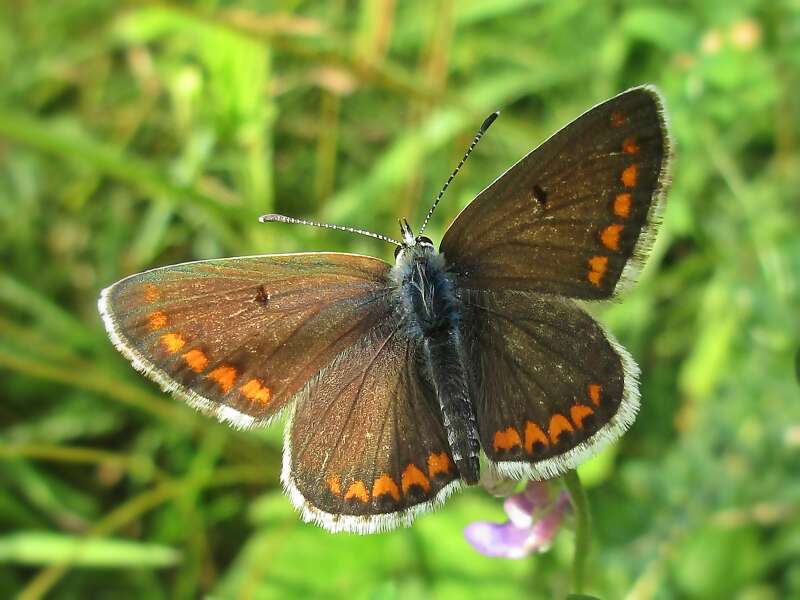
521	507
543	531
534	522
494	539
519	510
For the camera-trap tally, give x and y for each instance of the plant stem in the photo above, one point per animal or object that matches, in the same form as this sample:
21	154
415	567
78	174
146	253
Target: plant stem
583	525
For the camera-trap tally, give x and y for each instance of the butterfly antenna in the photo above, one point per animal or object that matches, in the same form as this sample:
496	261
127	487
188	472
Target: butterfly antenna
283	219
486	124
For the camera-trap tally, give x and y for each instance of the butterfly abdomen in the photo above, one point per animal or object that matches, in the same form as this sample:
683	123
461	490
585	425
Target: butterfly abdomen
444	356
431	312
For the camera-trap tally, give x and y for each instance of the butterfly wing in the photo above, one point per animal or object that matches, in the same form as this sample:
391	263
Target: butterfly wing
367	450
239	337
552	387
570	216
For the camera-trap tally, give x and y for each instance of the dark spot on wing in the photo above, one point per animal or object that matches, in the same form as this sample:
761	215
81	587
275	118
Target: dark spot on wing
262	296
540	195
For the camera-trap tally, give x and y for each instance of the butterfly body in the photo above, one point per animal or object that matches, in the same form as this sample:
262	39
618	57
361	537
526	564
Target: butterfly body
431	314
395	378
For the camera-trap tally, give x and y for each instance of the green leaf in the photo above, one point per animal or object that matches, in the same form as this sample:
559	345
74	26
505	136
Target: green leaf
716	563
45	548
667	29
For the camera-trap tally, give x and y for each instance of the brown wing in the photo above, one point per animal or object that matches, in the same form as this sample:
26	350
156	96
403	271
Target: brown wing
238	337
552	386
570	216
366	450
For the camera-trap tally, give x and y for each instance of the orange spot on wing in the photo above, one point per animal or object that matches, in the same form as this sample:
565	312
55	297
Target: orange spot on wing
385	485
414	476
196	360
617	119
172	342
558	425
358	491
506	440
224	376
579	412
610	236
594	393
622	205
151	292
255	391
156	320
629	175
533	435
333	484
598	265
438	463
629	146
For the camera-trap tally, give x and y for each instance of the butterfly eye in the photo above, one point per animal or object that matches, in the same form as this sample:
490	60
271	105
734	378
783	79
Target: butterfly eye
425	240
397	251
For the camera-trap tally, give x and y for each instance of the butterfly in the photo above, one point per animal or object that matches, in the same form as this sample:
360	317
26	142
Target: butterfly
396	378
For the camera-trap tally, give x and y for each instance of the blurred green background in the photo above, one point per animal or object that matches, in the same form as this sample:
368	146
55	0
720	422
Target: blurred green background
137	134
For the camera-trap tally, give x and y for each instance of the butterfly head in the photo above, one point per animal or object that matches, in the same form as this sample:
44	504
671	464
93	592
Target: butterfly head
411	245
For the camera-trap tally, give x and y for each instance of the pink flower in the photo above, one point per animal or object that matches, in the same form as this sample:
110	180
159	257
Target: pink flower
534	519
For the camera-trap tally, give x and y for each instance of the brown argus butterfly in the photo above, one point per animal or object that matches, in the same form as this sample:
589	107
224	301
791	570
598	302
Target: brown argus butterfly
397	377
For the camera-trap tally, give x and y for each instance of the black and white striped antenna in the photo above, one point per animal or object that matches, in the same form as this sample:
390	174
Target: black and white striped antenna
486	124
283	219
407	235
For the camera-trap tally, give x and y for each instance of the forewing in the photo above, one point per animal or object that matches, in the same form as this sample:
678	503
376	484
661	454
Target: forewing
551	386
366	450
570	216
238	337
